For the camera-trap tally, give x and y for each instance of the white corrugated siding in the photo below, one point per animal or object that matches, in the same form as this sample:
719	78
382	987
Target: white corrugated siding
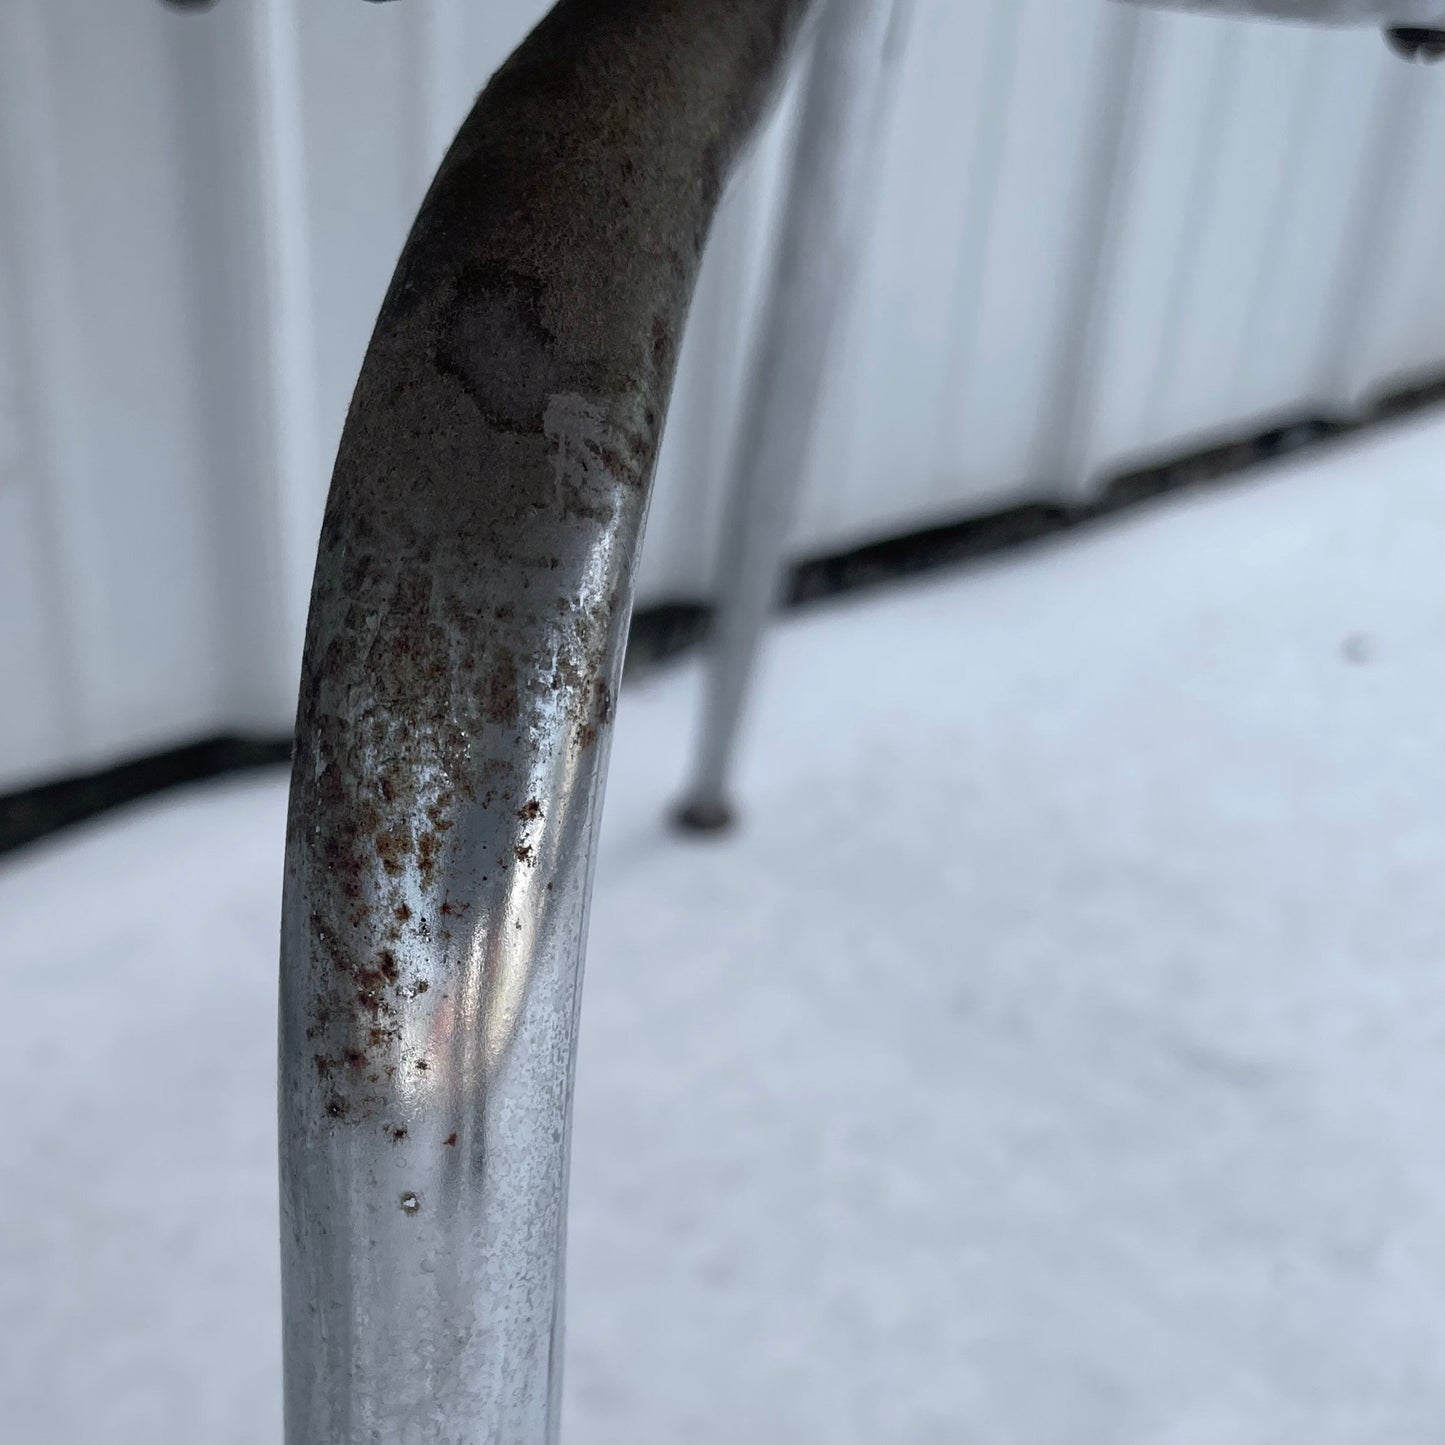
1098	235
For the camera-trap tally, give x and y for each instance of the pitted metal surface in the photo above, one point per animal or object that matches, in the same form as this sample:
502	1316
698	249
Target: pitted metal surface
472	592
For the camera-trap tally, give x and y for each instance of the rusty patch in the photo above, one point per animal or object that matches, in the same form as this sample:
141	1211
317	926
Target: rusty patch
392	847
427	847
501	702
450	1140
601	710
451	557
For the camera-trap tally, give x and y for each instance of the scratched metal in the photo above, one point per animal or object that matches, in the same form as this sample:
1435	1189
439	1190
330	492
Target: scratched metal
472	591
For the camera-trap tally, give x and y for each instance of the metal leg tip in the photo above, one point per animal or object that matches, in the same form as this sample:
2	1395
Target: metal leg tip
703	817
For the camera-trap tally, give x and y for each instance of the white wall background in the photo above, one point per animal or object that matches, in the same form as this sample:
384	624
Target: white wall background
1099	235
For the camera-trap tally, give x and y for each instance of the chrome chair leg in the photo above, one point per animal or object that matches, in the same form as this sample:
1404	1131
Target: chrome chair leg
470	605
847	90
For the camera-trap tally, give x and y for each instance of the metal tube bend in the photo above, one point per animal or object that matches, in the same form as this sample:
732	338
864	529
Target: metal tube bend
472	591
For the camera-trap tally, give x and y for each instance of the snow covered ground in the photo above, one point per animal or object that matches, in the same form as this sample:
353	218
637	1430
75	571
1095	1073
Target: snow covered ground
1054	1056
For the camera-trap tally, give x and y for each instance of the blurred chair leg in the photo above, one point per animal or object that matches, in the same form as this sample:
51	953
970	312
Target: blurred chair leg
472	592
848	87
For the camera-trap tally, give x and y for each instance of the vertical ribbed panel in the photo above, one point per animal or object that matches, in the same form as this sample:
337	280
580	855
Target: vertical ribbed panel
1097	236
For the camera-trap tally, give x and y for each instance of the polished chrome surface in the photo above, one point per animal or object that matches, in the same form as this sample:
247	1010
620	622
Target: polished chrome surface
472	592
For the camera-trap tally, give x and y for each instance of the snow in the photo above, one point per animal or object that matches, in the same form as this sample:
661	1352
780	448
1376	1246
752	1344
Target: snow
1054	1055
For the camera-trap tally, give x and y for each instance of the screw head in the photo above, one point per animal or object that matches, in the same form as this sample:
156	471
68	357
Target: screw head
1414	43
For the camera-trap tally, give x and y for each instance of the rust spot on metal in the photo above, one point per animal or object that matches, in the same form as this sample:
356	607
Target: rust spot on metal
450	1140
504	427
500	700
392	847
601	714
427	848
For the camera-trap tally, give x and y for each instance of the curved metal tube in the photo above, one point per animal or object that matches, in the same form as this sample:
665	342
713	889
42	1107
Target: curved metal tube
472	592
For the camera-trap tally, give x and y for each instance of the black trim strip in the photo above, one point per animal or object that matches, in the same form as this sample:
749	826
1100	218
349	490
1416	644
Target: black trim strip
668	630
33	813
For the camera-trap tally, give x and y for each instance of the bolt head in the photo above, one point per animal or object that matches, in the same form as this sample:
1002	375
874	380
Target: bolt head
1416	44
